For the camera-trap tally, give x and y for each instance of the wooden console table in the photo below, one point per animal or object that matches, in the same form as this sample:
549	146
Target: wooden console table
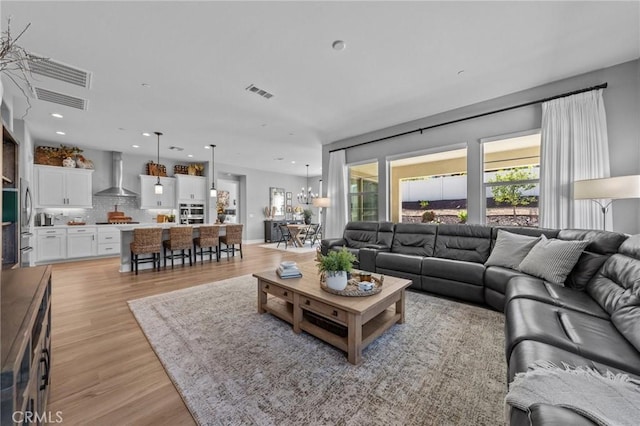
26	342
348	323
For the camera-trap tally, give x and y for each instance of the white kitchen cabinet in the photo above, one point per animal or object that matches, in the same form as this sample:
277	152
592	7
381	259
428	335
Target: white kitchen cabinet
150	200
191	189
63	187
108	240
81	242
51	244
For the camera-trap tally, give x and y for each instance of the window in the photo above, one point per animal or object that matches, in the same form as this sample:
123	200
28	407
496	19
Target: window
430	188
512	180
363	192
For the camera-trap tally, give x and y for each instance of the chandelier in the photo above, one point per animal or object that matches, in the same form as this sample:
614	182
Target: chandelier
306	196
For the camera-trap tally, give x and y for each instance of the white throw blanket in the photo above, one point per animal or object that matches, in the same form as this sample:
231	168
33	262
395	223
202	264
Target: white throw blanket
609	399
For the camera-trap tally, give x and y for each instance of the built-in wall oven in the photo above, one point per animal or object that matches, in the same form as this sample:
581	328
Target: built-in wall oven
26	224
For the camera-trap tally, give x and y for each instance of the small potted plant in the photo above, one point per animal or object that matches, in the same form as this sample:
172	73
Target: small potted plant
307	213
335	266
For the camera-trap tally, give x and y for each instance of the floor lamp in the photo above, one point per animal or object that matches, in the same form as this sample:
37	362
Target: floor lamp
320	203
611	188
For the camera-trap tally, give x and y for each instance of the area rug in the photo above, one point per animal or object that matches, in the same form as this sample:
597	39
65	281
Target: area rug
444	366
306	249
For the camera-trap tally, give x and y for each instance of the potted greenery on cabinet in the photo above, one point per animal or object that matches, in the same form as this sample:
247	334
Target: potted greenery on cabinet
335	266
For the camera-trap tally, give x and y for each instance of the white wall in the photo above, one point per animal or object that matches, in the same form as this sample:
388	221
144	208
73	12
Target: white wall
622	103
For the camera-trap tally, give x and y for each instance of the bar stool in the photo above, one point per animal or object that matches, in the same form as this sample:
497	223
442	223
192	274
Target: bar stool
146	241
180	238
209	238
233	236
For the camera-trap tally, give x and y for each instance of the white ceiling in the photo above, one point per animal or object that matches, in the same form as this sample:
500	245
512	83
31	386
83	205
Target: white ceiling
402	62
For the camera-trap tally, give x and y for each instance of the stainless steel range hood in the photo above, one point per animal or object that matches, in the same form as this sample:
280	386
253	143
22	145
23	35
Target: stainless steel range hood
116	190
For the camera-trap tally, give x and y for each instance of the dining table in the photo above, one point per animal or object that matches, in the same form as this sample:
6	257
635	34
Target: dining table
297	236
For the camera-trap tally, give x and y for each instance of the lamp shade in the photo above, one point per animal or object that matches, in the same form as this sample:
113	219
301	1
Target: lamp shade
607	188
321	202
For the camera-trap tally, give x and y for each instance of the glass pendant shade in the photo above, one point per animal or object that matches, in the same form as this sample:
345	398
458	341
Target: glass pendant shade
158	185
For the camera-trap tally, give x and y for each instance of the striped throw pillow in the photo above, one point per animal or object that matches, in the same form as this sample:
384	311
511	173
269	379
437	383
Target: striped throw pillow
552	260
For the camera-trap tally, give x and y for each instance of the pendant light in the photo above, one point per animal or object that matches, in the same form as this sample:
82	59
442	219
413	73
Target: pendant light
306	196
212	191
158	185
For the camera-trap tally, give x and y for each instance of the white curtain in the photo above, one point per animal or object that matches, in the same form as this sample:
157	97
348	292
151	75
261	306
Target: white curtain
337	213
574	147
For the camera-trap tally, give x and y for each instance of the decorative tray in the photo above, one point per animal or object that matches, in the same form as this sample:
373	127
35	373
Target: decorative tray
352	289
76	223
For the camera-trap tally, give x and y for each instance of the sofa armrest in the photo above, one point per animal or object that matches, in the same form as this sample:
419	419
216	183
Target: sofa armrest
367	257
326	244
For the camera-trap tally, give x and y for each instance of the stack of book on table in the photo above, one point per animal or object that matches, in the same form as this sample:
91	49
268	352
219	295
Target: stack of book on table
288	269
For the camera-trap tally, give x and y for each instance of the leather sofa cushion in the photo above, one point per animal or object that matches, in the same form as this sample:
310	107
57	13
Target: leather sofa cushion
536	289
594	338
355	252
385	234
454	270
616	284
527	352
414	239
497	277
627	321
416	279
361	235
601	242
399	262
471	243
554	415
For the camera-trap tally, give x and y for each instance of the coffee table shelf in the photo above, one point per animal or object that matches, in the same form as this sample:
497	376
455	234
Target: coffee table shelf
280	308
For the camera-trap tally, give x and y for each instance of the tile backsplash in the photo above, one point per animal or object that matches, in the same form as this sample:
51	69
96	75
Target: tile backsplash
103	205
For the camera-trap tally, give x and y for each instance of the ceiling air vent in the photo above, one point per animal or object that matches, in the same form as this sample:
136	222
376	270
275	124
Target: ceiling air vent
259	91
60	98
176	148
60	72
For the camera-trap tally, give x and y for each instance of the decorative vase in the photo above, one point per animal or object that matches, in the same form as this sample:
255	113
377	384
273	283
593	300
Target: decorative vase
307	221
222	217
336	280
68	162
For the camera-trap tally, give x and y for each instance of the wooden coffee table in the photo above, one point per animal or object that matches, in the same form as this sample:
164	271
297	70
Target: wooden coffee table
348	323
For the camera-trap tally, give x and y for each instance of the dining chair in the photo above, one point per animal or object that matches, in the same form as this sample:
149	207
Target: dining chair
146	241
180	238
312	233
210	239
232	237
285	235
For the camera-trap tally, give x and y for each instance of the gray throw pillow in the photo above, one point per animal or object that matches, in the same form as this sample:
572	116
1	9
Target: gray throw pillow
510	249
552	260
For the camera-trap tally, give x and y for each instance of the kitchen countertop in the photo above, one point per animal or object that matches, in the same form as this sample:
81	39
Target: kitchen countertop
125	226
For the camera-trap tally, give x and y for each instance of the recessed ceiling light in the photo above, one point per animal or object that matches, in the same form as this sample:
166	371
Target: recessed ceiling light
339	45
60	133
293	161
190	155
147	85
56	115
146	134
460	72
207	147
279	158
136	146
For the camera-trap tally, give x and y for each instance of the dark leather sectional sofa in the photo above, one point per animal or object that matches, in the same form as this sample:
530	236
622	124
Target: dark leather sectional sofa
594	320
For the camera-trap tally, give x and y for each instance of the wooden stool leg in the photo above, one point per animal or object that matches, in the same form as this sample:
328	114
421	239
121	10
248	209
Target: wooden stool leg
240	250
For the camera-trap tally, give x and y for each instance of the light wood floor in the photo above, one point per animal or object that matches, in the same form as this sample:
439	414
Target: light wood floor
104	371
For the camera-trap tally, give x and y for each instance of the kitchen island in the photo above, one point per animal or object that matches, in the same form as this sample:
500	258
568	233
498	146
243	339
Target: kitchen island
126	238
